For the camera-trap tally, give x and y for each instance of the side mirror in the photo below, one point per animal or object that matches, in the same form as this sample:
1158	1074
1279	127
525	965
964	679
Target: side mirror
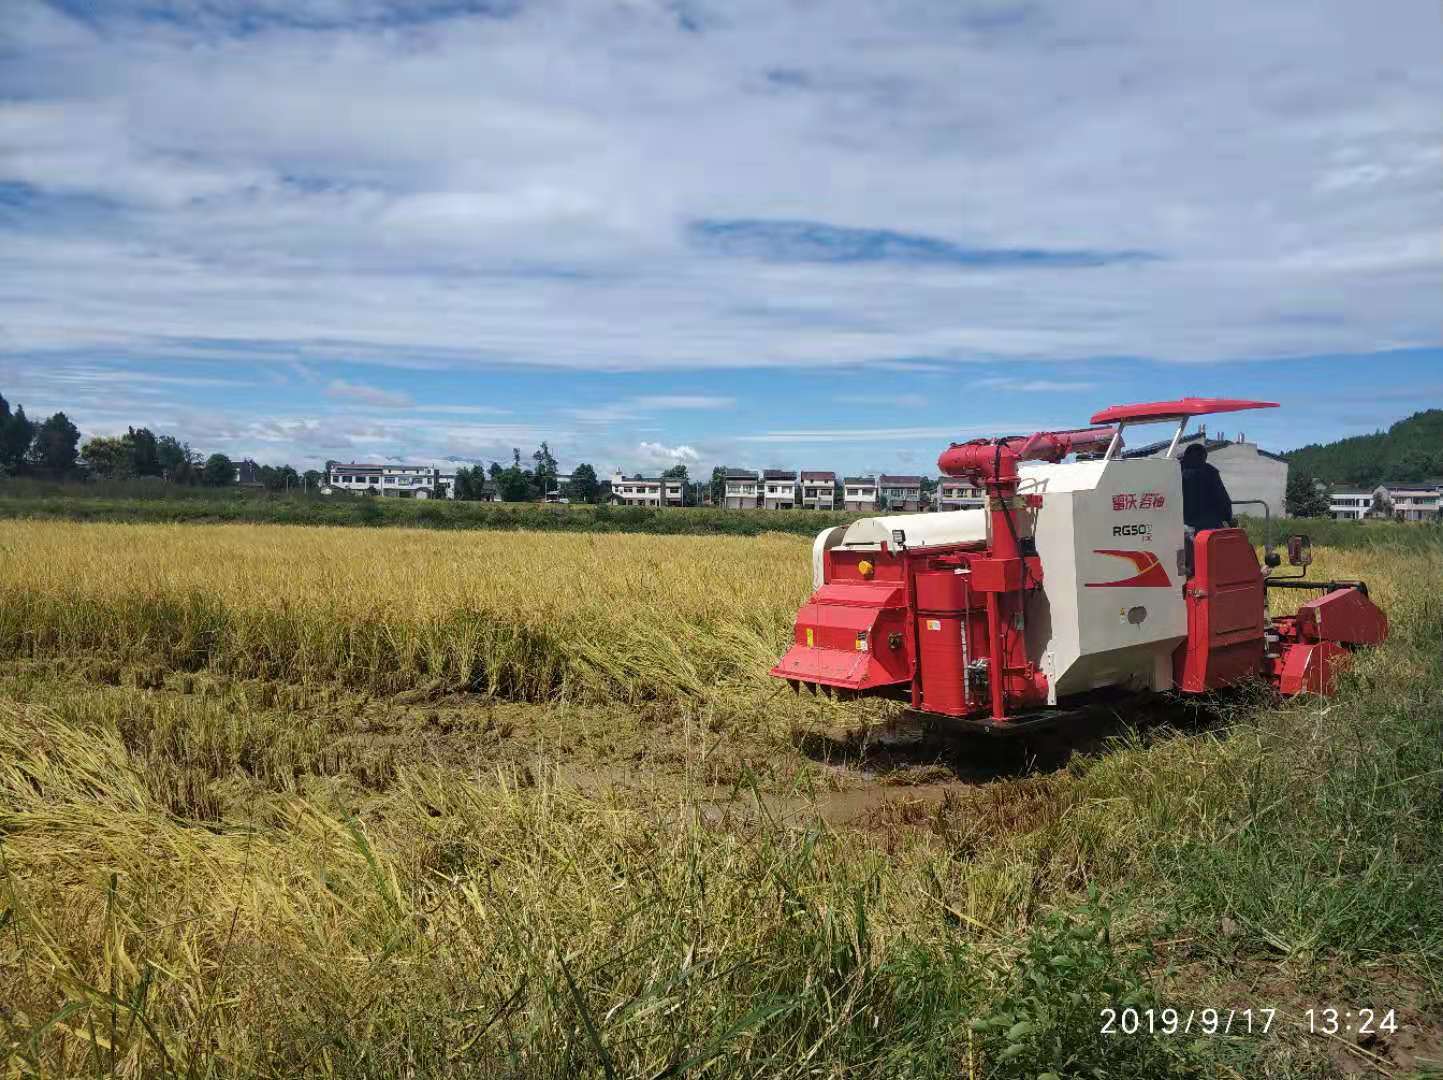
1300	550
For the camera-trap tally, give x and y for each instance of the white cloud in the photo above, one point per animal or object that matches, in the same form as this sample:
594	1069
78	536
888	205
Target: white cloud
241	183
683	401
348	177
890	434
644	406
463	410
888	401
658	454
1035	386
341	390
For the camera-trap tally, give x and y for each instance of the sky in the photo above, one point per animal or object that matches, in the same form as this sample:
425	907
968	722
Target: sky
768	234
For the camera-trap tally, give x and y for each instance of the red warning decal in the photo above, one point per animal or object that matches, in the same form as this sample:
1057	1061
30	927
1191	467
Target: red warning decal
1150	574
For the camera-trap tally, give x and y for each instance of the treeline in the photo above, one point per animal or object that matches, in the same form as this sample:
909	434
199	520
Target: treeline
37	500
518	482
47	447
51	449
1409	451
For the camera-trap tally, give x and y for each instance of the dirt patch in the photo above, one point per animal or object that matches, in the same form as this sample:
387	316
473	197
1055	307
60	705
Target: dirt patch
1413	1049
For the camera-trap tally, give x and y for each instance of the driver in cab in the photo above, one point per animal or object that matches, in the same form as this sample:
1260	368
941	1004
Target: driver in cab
1205	500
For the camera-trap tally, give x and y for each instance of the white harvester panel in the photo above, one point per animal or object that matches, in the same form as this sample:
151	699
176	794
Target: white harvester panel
1110	537
918	530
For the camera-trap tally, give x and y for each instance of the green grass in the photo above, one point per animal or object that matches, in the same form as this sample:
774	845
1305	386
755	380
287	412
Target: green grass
1382	536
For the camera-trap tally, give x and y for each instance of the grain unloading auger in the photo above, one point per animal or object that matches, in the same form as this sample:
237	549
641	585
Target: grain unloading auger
1078	577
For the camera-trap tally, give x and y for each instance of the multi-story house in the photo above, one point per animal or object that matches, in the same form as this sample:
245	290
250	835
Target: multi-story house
859	493
646	490
1247	472
780	489
1400	501
819	490
901	493
402	481
955	494
1350	503
1416	502
742	491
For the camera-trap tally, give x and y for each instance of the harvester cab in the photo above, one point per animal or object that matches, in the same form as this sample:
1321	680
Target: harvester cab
1077	577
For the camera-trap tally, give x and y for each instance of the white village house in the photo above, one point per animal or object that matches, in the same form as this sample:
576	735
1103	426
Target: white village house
1400	501
646	490
859	493
403	481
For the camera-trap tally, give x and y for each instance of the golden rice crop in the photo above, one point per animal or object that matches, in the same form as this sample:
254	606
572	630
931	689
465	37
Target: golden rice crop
524	615
529	616
214	886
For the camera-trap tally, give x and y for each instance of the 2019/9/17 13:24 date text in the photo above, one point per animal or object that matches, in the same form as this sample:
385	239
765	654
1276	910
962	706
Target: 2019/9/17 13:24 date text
1319	1020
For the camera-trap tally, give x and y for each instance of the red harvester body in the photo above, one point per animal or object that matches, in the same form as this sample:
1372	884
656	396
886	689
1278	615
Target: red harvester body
1073	578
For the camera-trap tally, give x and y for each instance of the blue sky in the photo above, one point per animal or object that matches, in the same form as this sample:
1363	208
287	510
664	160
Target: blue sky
660	231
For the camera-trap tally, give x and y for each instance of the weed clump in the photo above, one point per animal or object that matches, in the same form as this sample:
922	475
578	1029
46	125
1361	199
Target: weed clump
1070	1005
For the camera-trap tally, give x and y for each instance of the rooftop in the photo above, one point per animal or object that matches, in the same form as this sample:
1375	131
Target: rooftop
1392	486
1211	443
900	481
818	477
778	474
859	480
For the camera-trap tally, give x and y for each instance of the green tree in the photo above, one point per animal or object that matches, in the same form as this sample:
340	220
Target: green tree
178	462
929	491
278	477
470	482
219	471
718	485
108	457
1382	505
311	479
678	472
515	484
1411	449
494	471
584	485
16	435
55	447
1304	497
545	471
144	452
1412	465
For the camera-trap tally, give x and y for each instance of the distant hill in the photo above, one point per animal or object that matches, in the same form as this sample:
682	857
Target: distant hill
1411	449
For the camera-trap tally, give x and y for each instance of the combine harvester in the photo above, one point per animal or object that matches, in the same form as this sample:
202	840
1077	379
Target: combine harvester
1078	580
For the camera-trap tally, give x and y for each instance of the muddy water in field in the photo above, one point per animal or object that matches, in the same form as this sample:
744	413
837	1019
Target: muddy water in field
909	771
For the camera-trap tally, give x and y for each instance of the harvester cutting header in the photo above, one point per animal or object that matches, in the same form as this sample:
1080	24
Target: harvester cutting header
1078	577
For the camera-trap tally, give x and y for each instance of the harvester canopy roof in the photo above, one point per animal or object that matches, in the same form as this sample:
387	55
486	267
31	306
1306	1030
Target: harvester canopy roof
1151	411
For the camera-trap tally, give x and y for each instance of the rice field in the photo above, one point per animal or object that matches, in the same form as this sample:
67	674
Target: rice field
526	616
282	801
